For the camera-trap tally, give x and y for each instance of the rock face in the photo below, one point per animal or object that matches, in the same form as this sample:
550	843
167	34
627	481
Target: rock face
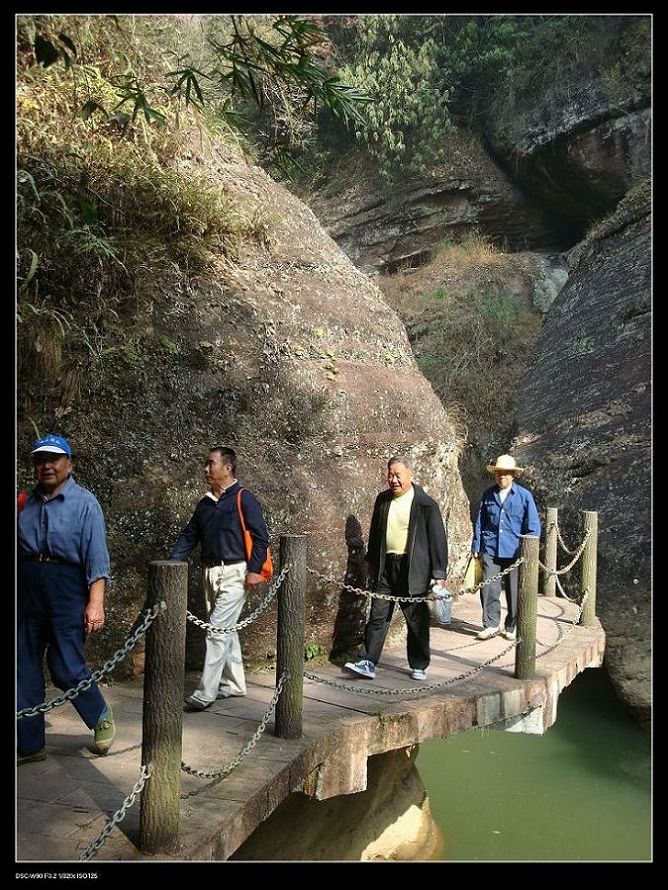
382	227
291	356
584	428
389	821
578	137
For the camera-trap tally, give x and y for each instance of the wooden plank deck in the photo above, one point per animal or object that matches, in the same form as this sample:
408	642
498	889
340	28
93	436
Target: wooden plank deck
64	802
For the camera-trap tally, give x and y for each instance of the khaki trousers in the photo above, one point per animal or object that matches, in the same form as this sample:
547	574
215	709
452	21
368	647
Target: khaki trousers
223	672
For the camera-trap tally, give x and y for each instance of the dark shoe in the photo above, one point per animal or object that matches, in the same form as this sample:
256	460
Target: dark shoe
31	758
105	731
194	704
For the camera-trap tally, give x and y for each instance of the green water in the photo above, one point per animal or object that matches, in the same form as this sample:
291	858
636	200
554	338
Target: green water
581	792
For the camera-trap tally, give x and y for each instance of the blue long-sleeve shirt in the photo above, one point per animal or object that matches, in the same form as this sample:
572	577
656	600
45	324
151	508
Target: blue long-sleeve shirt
498	526
217	527
69	525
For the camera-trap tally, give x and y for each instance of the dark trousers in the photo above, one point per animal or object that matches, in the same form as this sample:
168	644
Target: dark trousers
490	596
51	603
394	580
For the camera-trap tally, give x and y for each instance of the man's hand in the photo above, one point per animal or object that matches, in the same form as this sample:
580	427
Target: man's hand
252	580
93	617
439	582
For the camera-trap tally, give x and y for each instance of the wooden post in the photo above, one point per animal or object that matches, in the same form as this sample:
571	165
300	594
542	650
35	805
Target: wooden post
290	638
589	558
550	581
163	707
527	607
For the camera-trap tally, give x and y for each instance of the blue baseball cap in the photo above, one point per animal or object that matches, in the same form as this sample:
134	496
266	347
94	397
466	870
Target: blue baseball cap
53	444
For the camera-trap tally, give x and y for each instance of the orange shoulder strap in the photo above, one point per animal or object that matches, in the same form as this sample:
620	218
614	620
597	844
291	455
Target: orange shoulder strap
241	512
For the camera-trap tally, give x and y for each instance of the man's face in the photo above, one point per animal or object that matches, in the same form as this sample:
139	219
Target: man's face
399	479
51	470
216	469
504	478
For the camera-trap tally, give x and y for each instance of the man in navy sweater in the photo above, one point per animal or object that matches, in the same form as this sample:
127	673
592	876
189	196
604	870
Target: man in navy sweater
227	574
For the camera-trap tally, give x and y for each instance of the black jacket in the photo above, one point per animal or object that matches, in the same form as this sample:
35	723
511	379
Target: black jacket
427	547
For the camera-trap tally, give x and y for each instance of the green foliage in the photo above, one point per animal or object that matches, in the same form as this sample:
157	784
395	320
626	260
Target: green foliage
312	651
429	73
398	65
254	71
110	217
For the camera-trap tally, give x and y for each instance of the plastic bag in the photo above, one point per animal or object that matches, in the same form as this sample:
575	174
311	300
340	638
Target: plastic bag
443	606
473	574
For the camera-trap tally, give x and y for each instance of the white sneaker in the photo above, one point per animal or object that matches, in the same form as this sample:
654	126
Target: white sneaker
487	632
418	674
509	634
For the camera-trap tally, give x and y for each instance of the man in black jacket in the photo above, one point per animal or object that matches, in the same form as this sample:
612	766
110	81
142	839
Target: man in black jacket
407	551
228	572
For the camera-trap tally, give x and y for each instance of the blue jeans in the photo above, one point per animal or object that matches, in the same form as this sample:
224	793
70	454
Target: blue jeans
51	603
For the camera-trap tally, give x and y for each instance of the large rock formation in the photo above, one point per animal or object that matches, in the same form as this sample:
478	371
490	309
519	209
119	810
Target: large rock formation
390	820
289	354
584	428
386	227
576	134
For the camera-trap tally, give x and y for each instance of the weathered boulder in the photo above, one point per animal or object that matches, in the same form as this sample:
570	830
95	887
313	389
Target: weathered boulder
390	820
576	134
386	227
584	428
289	354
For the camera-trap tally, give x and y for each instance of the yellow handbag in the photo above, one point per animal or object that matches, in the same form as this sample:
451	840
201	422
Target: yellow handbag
473	574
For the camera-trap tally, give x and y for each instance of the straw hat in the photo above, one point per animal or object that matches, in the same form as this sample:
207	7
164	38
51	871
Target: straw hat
504	462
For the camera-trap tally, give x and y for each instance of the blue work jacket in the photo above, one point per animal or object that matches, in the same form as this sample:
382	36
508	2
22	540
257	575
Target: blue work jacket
498	526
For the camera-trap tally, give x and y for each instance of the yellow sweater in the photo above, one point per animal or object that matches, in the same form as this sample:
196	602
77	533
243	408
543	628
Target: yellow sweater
397	522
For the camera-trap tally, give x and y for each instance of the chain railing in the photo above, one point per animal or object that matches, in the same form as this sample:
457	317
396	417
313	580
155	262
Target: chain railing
410	690
496	577
563	636
561	540
108	666
563	571
271	593
118	816
247	748
407	599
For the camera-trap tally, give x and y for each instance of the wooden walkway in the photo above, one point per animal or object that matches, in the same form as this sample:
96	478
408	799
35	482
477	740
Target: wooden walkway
64	802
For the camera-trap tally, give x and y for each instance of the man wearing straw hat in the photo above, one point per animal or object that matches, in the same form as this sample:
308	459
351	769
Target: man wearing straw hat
506	511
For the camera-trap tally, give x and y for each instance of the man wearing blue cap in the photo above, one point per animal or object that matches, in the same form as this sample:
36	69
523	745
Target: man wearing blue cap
62	574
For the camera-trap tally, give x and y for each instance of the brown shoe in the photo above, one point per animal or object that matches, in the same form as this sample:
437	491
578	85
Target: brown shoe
31	758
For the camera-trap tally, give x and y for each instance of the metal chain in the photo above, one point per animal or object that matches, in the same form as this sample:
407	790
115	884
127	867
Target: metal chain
118	816
119	655
421	690
246	748
369	593
574	622
563	592
494	578
410	599
561	540
578	554
253	615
